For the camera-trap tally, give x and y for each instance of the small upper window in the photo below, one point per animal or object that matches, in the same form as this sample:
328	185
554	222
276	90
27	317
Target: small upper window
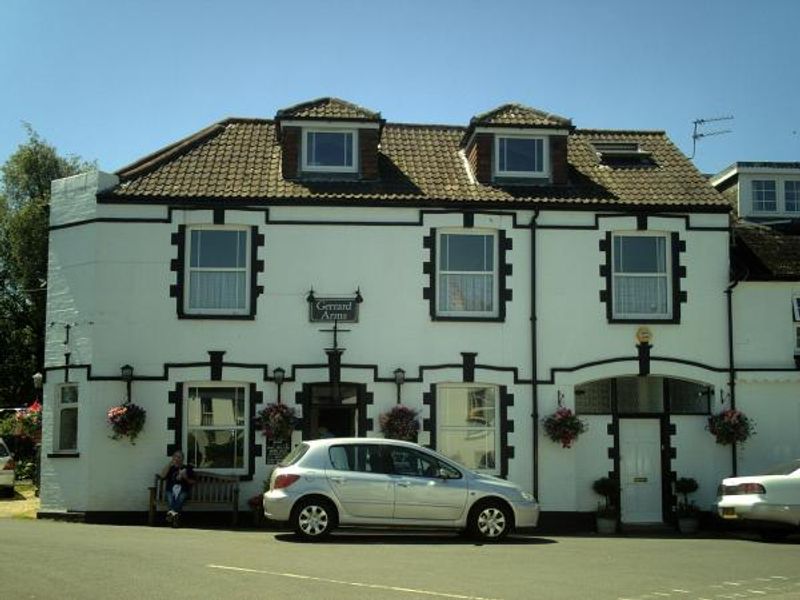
764	199
641	287
791	192
330	151
467	277
218	271
519	156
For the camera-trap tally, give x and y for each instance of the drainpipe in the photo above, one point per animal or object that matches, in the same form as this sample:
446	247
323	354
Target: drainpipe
534	360
731	364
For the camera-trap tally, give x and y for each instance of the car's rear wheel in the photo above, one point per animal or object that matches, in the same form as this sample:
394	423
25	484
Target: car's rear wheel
313	519
490	521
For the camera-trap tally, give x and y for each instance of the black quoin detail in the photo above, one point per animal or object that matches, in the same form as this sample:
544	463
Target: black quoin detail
611	428
175	424
370	424
428	268
429	424
506	427
677	295
672	429
469	220
468	366
673	453
215	360
219	216
176	265
612	453
256	450
605	271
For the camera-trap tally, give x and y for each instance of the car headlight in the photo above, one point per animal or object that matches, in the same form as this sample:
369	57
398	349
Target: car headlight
528	497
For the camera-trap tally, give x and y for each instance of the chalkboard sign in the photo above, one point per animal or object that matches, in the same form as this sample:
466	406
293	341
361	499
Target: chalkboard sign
276	451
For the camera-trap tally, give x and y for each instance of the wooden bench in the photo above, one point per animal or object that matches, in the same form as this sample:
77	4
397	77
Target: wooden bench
209	491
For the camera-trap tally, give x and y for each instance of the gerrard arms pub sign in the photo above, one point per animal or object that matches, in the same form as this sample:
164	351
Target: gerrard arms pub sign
343	310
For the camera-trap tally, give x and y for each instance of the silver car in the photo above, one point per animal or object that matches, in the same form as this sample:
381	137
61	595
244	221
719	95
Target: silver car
369	482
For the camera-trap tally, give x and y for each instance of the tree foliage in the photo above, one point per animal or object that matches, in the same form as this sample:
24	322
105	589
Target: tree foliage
24	202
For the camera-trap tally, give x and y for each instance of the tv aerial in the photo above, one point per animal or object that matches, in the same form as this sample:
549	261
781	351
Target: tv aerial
699	123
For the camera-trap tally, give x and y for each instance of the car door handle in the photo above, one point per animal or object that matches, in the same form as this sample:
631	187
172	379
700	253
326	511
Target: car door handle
338	479
403	483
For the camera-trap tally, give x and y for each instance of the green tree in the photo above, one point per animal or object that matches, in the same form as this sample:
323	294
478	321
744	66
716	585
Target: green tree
24	202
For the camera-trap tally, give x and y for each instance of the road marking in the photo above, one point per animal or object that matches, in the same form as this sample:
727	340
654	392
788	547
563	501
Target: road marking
757	592
373	586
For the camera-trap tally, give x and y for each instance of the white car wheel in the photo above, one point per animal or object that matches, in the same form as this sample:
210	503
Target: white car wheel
314	519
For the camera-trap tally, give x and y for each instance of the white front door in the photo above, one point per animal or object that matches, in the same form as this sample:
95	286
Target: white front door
640	470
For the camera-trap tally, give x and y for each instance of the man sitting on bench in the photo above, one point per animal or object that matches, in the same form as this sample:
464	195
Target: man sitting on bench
180	478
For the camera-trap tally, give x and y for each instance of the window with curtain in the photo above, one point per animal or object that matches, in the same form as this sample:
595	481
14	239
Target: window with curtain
641	279
468	416
217	278
216	427
66	438
467	274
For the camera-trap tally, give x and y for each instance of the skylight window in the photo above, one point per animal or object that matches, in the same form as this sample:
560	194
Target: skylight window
623	155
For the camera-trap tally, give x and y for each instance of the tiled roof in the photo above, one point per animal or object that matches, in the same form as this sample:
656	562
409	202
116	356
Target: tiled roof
519	115
762	253
328	108
240	159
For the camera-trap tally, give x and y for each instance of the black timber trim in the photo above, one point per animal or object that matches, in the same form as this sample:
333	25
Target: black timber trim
215	364
248	206
429	424
256	450
504	270
469	220
468	366
644	358
506	427
175	423
177	266
63	454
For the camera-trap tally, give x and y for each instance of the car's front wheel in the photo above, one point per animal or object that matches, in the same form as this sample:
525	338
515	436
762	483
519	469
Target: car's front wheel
313	519
490	521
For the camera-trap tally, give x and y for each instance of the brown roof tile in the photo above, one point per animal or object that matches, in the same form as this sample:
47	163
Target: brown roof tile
520	116
239	159
328	108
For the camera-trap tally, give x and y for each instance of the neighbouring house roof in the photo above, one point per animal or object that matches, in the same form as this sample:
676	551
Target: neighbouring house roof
240	160
763	254
729	175
328	108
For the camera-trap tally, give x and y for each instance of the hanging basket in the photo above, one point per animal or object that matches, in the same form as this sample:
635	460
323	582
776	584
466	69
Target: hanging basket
731	427
400	423
563	426
276	422
126	420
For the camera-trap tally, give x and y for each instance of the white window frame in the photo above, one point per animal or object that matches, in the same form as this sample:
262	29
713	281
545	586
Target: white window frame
794	183
544	173
796	308
329	169
246	428
753	193
440	311
796	338
441	389
187	295
58	443
668	275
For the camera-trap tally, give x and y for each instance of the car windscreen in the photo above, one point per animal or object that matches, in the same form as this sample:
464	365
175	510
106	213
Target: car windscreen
293	456
783	469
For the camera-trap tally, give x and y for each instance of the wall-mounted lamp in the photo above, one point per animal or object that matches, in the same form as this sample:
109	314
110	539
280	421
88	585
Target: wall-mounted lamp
126	373
560	398
278	376
399	379
723	396
37	385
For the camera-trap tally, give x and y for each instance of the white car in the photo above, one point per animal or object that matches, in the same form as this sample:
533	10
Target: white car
6	469
770	501
372	482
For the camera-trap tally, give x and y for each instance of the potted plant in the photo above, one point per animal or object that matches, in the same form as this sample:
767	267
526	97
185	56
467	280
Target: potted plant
126	420
400	423
688	520
607	513
276	422
730	426
563	426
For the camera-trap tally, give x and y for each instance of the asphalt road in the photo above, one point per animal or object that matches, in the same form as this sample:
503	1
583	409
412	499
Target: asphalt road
44	559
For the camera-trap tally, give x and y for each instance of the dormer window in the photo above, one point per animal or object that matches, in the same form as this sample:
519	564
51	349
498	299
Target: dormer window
520	156
330	150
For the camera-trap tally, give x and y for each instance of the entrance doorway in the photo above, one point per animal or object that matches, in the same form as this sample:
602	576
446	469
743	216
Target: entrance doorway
334	410
640	470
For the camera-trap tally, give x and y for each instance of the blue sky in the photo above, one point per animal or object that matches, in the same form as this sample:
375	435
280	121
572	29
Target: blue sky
113	81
